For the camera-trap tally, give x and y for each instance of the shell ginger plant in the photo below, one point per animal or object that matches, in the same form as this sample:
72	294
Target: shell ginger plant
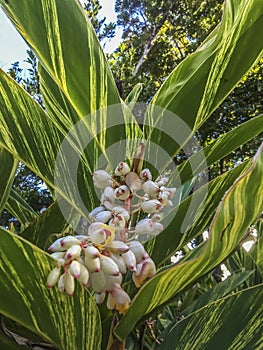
135	224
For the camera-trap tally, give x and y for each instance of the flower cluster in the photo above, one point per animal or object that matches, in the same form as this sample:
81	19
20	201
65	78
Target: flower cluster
110	249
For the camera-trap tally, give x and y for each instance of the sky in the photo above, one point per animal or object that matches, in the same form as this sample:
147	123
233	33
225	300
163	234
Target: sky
13	48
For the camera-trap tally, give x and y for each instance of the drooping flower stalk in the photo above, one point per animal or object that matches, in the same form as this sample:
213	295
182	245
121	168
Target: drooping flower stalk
130	207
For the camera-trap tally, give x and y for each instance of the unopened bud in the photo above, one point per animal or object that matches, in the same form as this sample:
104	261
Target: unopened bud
122	169
73	252
151	189
69	284
100	298
152	206
118	247
84	275
146	175
69	241
61	283
122	192
96	211
108	266
138	250
130	260
53	276
103	216
92	264
91	252
102	179
74	268
98	281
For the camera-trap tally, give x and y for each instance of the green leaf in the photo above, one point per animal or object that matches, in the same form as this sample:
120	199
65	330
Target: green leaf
201	82
134	95
7	174
238	209
233	322
51	221
226	144
66	45
219	291
48	313
19	208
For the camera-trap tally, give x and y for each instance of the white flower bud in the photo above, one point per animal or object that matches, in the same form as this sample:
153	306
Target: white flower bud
151	189
130	260
82	238
102	179
118	299
118	247
92	264
121	211
108	198
122	169
120	262
96	211
53	276
84	275
108	266
111	281
58	255
133	181
100	298
152	206
91	252
146	175
69	283
56	246
61	283
75	269
118	222
98	281
122	192
73	252
98	236
138	250
161	180
144	270
103	216
69	241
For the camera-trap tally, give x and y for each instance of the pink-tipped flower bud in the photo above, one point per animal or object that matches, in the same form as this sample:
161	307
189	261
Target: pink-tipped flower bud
108	266
92	264
145	270
102	179
118	299
73	252
151	189
130	260
56	246
122	169
75	269
152	206
84	276
53	276
120	262
118	247
111	281
118	222
138	250
146	175
69	241
98	236
122	192
121	211
91	252
69	284
98	281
